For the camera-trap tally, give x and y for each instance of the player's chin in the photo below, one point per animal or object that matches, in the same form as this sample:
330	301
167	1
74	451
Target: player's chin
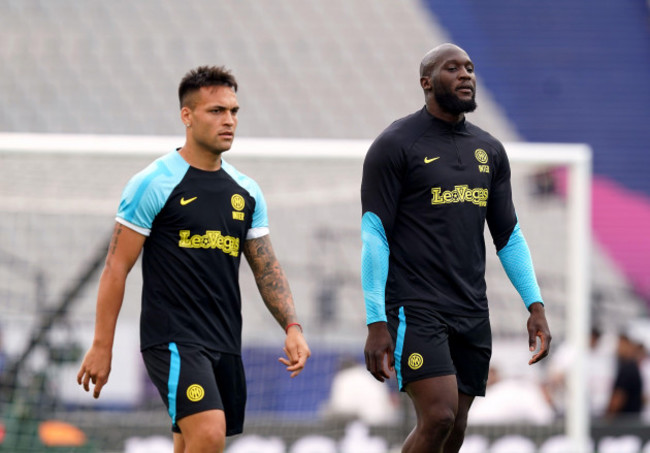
224	143
218	148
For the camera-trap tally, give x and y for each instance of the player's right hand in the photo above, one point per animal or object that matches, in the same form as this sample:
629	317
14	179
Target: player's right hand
95	367
379	348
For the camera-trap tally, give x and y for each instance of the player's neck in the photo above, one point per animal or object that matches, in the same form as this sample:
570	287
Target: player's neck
200	158
451	118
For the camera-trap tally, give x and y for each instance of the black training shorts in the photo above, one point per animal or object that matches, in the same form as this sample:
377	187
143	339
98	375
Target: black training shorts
430	344
193	379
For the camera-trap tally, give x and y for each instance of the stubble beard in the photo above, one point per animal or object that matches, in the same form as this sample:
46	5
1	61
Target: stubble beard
218	147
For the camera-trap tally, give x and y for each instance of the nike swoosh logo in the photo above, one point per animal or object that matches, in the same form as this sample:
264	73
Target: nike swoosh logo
428	161
188	201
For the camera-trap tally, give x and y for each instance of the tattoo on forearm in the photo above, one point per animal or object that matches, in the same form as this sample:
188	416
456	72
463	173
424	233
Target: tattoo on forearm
116	233
271	281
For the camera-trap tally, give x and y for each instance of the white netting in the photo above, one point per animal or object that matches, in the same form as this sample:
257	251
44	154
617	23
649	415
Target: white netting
58	197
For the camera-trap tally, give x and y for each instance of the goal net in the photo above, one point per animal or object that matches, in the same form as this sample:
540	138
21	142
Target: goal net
58	198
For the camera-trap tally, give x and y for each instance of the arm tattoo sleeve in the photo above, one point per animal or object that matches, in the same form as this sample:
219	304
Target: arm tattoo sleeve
271	281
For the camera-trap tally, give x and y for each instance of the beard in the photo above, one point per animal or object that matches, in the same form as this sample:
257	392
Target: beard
451	103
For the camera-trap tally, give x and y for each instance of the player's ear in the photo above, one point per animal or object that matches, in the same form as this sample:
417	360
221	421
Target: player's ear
425	83
185	116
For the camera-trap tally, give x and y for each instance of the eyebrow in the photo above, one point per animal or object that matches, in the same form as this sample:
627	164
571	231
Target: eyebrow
464	61
220	106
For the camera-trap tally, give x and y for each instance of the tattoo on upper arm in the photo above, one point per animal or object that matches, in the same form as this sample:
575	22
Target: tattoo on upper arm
270	279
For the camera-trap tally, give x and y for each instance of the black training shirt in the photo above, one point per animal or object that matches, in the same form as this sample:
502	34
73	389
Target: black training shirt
433	185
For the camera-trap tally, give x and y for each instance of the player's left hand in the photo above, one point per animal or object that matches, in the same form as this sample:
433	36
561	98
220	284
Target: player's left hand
297	351
538	328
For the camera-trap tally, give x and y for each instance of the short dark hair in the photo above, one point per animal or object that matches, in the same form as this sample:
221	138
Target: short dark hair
204	76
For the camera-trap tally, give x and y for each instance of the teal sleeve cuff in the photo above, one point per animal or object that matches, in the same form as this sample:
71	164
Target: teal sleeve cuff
374	267
518	264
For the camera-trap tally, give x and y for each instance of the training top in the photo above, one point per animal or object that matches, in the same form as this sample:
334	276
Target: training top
196	223
428	189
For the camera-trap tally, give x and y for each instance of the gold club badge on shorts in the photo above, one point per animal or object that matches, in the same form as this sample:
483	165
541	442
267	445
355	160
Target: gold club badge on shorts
195	393
415	361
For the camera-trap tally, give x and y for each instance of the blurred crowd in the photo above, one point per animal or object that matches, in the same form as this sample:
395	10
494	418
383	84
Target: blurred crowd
618	373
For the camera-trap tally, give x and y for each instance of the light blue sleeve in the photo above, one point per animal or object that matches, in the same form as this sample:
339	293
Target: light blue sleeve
374	267
518	264
146	193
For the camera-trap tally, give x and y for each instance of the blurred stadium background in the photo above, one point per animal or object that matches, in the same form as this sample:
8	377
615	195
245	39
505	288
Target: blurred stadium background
558	71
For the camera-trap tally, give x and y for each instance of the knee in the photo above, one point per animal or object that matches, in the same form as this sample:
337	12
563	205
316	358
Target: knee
216	439
439	419
209	438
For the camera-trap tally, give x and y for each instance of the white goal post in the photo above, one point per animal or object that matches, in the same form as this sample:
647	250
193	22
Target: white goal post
576	158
